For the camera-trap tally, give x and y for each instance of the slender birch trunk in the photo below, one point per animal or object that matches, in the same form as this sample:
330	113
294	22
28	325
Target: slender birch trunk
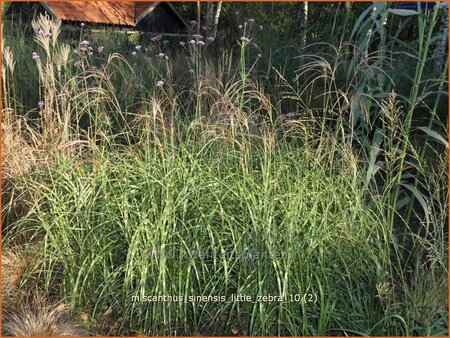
303	22
216	19
441	44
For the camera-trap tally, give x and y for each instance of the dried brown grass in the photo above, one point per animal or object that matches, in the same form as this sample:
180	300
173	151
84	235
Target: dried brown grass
26	311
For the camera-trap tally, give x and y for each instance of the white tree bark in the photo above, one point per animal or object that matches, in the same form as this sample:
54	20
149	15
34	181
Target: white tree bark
209	15
213	10
441	44
216	19
303	22
348	6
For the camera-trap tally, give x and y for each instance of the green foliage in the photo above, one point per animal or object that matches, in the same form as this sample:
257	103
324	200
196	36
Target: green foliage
166	169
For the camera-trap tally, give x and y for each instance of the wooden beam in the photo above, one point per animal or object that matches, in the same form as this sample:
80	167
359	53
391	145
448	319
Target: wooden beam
48	9
178	15
146	12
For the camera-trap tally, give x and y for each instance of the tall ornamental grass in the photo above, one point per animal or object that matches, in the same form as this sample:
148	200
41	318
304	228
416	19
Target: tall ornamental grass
155	174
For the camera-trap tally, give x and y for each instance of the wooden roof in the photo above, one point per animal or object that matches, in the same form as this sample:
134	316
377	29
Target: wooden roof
101	12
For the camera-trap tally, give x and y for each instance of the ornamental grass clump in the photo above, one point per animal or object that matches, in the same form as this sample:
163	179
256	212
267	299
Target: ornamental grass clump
169	192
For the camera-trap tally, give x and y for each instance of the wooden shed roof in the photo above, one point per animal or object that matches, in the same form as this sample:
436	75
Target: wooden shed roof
122	13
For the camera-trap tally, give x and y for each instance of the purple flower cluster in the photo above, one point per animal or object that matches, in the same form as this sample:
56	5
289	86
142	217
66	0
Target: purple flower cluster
35	56
196	40
156	38
247	27
43	33
159	84
289	115
161	56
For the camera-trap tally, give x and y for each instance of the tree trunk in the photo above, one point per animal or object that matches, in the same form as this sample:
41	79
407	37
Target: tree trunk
216	19
441	44
199	15
209	16
303	22
348	6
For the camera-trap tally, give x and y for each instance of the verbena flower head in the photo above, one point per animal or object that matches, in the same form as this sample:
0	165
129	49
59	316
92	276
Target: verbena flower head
41	31
156	38
35	56
210	39
290	115
197	36
245	39
82	24
192	42
134	53
160	55
240	26
159	84
259	56
41	104
200	43
182	43
100	49
250	21
193	23
138	47
84	43
90	49
260	27
79	63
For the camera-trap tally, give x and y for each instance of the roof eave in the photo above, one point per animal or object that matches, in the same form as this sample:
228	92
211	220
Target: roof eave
146	12
49	10
178	15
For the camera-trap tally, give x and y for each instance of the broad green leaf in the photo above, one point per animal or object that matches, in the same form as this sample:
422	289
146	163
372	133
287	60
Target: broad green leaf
357	26
419	196
371	171
434	135
404	201
375	149
403	12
